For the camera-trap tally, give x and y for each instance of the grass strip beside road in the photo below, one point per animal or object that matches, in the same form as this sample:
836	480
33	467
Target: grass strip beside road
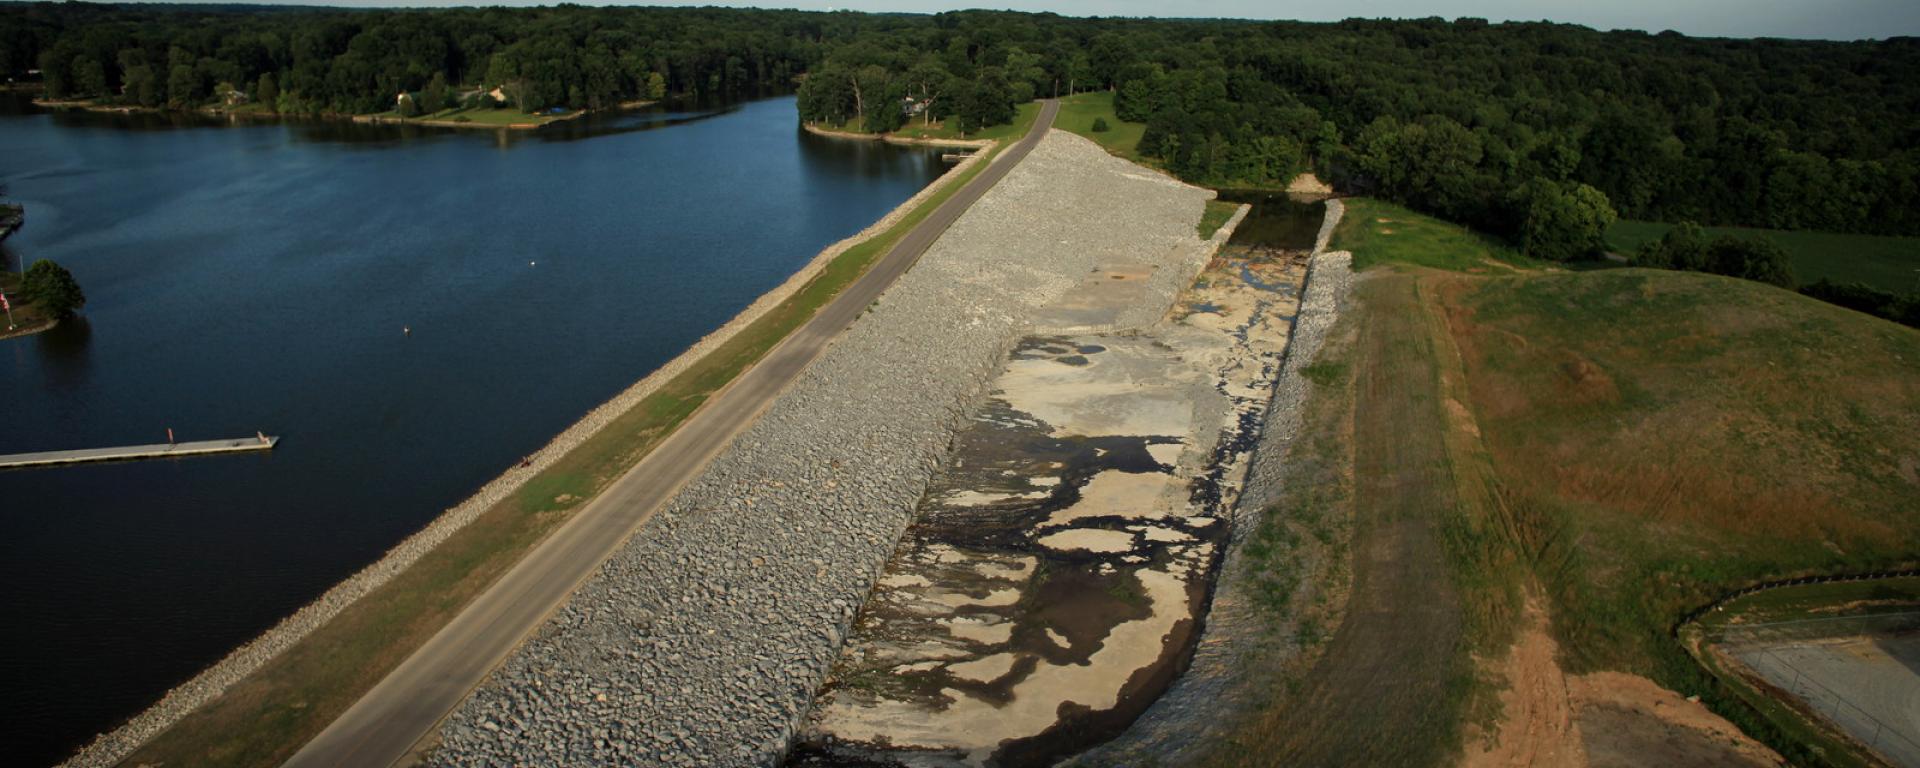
266	717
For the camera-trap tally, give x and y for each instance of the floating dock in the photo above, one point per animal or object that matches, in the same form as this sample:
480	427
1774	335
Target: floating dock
125	453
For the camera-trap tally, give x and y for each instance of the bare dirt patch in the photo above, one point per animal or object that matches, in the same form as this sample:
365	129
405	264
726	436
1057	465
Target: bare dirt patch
1538	726
1309	185
1627	720
1600	720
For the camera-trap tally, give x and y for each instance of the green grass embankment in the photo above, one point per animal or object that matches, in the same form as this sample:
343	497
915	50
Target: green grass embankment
1890	264
1651	440
1122	138
268	715
1214	217
1379	232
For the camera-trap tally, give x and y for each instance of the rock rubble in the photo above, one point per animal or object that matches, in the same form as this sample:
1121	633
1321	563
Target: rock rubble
703	640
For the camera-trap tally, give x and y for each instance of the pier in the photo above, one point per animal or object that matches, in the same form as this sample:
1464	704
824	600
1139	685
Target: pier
126	453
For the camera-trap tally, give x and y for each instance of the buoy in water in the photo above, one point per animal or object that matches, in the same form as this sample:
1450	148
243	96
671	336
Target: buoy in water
406	331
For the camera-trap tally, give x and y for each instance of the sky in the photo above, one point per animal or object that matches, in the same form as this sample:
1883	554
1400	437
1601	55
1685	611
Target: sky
1820	19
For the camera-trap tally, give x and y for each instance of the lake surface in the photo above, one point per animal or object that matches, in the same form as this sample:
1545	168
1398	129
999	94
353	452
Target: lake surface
257	277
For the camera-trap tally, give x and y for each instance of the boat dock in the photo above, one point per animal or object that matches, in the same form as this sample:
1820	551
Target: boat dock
124	453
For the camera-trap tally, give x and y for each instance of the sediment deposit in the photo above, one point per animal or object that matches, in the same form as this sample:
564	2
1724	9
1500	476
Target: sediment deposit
1190	717
1055	574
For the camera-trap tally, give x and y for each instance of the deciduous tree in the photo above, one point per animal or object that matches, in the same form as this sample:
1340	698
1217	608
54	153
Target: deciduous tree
1564	221
266	92
53	288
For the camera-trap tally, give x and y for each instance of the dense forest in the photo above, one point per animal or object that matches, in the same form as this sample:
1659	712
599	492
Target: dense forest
306	60
1537	131
1489	124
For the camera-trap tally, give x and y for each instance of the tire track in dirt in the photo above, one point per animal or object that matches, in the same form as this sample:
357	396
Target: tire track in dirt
1380	694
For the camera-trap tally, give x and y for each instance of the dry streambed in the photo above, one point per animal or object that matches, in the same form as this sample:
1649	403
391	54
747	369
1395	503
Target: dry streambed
1058	565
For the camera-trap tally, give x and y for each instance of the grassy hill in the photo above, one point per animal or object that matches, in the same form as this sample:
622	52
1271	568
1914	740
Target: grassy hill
1625	444
1890	264
1670	435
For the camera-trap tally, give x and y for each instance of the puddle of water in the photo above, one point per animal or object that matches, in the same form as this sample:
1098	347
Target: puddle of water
1276	221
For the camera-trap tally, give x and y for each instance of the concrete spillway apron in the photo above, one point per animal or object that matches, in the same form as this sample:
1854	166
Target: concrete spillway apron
410	702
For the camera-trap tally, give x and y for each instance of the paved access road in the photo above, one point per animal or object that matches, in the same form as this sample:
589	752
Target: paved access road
410	702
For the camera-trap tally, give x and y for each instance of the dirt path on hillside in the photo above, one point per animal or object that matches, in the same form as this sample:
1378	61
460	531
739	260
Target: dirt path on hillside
1379	694
1600	720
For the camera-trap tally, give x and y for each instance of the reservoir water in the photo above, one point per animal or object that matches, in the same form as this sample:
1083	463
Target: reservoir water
258	277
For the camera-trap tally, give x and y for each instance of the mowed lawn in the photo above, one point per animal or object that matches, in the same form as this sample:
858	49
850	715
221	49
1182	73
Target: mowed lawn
1023	118
1077	113
494	117
1379	232
1890	264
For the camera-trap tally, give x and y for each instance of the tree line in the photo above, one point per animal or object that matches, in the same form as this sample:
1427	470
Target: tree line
1518	128
1537	131
1688	247
302	60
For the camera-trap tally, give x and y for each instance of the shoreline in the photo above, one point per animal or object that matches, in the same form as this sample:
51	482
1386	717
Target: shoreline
88	105
177	703
28	330
909	141
383	120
